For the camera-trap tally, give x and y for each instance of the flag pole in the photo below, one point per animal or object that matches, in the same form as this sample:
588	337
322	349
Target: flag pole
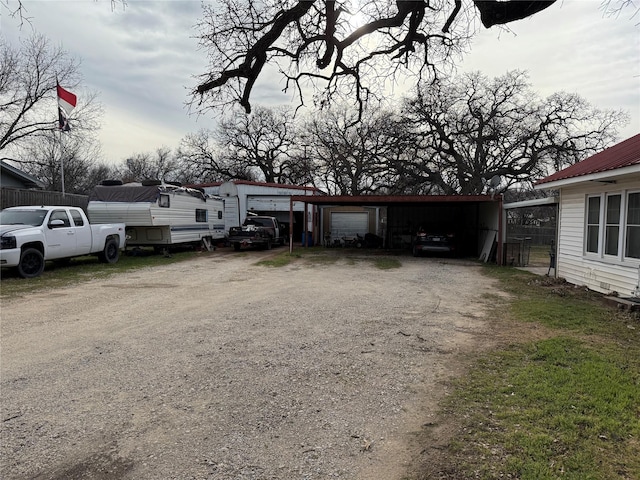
61	160
66	103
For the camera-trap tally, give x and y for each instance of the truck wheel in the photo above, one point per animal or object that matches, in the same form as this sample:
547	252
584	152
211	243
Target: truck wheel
111	252
31	263
236	247
269	246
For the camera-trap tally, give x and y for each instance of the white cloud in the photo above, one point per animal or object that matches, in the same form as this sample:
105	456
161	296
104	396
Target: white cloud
570	47
143	61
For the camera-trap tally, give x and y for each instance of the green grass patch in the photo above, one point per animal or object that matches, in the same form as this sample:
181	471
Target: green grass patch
550	409
555	303
280	260
386	263
567	406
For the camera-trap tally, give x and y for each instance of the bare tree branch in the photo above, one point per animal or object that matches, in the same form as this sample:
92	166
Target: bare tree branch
305	37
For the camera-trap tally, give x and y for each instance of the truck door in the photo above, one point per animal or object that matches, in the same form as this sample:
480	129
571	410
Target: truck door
82	232
60	237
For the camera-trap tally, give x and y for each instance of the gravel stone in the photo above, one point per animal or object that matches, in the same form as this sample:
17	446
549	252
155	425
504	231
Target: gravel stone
217	368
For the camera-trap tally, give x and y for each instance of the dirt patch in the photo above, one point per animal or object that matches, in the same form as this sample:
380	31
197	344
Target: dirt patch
217	368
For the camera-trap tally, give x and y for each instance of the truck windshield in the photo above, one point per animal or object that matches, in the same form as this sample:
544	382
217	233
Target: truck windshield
22	217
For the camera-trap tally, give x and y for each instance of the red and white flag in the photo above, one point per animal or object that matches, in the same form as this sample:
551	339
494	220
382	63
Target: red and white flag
66	103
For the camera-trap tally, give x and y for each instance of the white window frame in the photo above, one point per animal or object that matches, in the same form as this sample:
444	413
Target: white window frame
624	225
620	257
600	238
606	224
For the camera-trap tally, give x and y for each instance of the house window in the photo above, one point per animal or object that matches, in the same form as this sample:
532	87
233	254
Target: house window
593	224
612	226
633	226
201	215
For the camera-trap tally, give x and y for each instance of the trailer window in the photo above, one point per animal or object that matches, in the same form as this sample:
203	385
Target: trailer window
219	214
164	201
201	215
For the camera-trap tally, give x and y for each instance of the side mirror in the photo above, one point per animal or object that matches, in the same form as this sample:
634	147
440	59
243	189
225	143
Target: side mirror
56	223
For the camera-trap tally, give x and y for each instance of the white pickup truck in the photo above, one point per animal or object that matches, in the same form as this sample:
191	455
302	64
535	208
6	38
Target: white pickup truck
29	236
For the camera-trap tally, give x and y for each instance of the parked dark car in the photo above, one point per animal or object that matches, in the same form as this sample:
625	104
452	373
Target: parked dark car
433	242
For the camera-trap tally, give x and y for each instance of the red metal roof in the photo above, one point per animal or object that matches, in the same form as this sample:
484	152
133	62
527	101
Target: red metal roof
259	184
623	154
392	199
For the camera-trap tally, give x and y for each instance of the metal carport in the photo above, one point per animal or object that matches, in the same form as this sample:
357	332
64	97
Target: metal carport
477	218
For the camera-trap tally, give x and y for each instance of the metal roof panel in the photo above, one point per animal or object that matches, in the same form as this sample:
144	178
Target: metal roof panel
623	154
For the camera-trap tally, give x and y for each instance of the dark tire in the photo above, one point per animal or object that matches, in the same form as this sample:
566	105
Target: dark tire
416	252
31	263
269	246
111	252
236	247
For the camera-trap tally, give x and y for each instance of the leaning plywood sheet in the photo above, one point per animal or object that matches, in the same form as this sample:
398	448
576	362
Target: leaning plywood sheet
488	245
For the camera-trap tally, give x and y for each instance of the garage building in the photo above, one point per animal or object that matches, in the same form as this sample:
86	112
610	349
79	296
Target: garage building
273	199
475	220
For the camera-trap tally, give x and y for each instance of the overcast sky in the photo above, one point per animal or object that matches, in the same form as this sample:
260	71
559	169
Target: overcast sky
142	61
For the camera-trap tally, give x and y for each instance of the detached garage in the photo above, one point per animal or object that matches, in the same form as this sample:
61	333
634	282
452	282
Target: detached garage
475	220
242	196
351	223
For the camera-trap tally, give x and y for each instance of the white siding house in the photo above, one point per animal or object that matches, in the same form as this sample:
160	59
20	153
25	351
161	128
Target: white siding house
599	220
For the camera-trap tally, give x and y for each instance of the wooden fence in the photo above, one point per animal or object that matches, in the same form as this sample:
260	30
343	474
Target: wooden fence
13	197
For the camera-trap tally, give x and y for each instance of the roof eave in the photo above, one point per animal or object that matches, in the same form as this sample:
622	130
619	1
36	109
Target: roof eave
609	175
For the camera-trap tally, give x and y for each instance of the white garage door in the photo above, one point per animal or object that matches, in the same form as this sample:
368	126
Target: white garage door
349	223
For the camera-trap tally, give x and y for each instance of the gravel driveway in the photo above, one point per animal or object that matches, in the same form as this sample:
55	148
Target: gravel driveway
220	369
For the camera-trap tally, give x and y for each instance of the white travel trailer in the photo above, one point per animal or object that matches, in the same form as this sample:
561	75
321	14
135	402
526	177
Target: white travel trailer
159	215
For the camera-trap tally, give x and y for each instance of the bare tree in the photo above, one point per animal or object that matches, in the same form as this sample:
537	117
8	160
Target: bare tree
262	142
356	158
472	128
344	46
202	159
28	78
161	165
46	155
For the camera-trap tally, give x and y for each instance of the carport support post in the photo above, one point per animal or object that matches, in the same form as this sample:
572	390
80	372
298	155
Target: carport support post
502	215
290	224
305	240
